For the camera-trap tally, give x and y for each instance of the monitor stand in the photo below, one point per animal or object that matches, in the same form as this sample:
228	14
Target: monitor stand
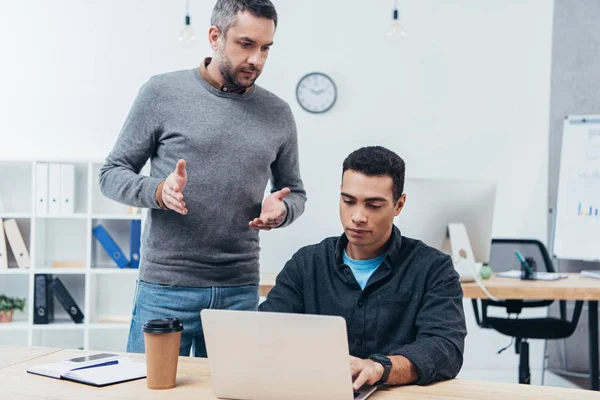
461	252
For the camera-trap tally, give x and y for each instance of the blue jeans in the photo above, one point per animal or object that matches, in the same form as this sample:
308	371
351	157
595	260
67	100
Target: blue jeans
153	301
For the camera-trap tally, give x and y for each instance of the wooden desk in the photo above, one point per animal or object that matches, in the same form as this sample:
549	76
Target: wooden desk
193	382
573	288
10	355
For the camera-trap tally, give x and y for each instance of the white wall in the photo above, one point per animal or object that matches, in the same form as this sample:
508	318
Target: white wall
465	96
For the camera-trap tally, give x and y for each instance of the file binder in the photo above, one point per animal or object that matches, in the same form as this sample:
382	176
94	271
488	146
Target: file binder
43	303
17	245
41	189
3	253
64	298
110	246
134	243
67	189
54	189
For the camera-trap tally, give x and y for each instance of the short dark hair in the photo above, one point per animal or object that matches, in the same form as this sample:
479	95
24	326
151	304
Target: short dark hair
225	12
378	161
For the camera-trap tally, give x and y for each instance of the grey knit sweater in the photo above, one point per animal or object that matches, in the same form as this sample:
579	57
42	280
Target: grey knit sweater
233	145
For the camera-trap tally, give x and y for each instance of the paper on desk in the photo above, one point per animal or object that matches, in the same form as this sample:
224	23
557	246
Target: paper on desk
590	274
538	276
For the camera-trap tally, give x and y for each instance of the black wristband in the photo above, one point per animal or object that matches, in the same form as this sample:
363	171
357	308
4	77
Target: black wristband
387	366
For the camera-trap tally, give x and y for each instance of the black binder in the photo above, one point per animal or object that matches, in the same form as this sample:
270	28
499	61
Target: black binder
43	309
65	299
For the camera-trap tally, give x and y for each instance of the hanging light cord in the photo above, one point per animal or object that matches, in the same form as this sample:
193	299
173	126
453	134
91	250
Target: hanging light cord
395	10
187	12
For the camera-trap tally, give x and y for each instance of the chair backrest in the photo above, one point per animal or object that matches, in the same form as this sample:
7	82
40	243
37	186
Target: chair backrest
503	258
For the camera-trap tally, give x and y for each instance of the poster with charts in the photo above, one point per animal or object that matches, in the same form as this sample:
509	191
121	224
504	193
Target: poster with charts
577	225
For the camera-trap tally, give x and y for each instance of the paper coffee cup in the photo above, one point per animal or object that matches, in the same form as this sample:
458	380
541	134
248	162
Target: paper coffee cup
162	338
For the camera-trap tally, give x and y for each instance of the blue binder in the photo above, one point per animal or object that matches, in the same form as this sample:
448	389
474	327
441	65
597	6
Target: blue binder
134	243
110	246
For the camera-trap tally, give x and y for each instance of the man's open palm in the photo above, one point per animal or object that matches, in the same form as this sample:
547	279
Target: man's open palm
273	211
172	190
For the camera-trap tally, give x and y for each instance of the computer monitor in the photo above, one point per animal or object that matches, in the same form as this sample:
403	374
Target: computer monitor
433	204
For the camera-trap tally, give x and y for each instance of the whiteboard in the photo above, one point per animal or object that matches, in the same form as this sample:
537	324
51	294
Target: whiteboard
577	224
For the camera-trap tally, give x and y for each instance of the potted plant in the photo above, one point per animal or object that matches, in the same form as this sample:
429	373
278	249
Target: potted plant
8	305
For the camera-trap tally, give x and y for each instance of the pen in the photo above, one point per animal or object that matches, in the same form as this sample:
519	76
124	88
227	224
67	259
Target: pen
524	262
98	365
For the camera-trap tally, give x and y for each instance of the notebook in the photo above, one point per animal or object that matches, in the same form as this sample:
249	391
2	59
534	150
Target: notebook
538	276
105	371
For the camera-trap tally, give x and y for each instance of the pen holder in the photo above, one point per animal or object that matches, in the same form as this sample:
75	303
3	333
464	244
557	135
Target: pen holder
526	275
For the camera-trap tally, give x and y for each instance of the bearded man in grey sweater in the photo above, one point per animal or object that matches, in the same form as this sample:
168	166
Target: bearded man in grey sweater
214	139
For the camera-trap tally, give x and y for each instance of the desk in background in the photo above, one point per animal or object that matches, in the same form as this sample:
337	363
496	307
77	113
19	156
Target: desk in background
193	382
573	288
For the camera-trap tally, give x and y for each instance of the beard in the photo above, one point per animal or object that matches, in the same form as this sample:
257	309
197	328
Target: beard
230	74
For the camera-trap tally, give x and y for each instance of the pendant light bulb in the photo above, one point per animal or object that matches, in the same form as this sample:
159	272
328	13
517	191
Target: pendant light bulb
187	38
396	32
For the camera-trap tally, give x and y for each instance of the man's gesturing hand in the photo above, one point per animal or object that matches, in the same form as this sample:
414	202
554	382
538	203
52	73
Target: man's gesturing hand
172	190
273	211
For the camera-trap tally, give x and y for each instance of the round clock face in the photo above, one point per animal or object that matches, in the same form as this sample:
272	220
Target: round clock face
316	92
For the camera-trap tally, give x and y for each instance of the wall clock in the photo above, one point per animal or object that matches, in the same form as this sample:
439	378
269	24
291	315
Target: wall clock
316	92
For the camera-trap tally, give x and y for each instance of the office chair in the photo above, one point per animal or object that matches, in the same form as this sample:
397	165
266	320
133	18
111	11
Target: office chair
502	258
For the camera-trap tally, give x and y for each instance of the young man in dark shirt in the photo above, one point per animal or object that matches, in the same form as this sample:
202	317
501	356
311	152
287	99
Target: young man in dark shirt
401	299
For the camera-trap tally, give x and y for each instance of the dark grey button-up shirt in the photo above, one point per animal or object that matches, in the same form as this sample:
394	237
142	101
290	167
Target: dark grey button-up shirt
411	305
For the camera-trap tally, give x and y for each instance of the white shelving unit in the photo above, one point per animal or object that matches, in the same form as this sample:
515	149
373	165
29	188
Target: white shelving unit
103	291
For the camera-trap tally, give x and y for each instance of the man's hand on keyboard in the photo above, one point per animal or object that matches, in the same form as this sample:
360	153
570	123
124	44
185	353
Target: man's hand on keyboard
364	371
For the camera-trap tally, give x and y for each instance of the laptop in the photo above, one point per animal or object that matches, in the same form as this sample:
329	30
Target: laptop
278	356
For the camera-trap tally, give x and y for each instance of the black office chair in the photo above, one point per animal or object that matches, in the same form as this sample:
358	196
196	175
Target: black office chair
502	258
